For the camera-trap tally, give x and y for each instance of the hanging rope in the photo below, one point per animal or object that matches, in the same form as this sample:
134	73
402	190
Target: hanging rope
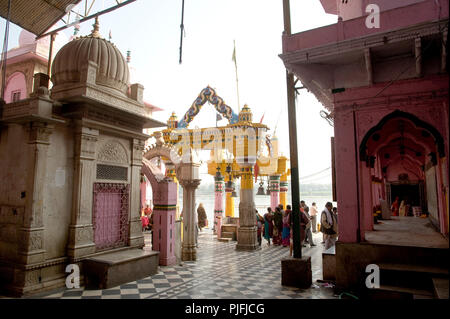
182	32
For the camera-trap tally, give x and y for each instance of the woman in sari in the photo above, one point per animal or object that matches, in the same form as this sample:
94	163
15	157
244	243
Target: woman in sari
286	234
268	225
402	209
394	207
278	226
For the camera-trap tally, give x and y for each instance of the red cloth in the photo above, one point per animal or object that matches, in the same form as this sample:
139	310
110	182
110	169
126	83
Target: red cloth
144	220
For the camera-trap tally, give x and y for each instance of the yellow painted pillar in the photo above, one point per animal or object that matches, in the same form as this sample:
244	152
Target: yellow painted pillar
229	202
283	189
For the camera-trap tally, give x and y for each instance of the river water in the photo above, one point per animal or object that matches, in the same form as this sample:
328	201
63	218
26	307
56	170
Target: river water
261	202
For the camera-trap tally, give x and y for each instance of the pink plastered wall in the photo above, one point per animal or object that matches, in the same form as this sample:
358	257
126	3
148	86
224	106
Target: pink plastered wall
354	178
16	83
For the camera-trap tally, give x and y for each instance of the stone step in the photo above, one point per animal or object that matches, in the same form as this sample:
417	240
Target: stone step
232	220
113	269
410	275
398	292
224	240
440	287
414	268
229	228
230	235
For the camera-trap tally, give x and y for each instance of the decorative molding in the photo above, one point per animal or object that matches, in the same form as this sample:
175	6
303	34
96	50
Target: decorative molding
113	151
39	133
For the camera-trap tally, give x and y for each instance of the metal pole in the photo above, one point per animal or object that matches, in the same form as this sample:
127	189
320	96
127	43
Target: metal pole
182	31
5	50
85	19
292	119
237	80
50	53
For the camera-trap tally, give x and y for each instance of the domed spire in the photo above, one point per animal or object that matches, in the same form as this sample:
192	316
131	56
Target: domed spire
95	32
173	121
245	115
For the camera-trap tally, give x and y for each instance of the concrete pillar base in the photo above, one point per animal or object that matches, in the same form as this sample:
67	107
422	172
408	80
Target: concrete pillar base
247	239
188	254
296	272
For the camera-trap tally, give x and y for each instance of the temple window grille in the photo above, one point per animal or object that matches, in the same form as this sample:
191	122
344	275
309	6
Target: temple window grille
110	218
110	172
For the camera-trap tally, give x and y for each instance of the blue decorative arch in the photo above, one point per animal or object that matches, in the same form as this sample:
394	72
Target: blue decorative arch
208	94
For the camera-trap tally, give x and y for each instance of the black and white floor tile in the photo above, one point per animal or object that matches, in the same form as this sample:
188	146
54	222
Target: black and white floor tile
220	272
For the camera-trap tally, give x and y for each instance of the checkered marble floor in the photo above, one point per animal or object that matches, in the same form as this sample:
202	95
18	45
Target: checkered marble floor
220	272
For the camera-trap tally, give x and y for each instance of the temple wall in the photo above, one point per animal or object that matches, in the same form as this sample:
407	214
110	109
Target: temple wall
58	192
13	175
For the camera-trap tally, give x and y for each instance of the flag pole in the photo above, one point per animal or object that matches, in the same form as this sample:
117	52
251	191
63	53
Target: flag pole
237	80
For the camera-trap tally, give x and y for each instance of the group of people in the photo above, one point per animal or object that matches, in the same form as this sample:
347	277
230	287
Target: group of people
401	208
277	225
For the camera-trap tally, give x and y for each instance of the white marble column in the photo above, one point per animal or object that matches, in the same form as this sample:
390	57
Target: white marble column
188	250
188	173
247	232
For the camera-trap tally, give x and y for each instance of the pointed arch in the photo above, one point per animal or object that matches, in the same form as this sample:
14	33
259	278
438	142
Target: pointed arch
438	139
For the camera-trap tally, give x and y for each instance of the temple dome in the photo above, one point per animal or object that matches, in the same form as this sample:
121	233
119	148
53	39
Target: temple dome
112	68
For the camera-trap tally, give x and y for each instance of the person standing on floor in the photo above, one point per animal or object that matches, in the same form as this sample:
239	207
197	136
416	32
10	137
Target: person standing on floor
278	226
308	234
259	225
394	207
313	212
286	233
329	226
402	209
202	218
268	225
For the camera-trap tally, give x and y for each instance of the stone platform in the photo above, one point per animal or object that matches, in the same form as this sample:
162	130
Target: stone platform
113	269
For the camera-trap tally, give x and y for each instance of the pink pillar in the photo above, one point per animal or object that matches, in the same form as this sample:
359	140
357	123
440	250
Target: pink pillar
346	176
164	208
218	203
274	187
366	202
219	226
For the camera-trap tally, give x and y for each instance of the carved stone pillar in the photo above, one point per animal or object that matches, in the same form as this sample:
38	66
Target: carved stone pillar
247	218
81	232
136	238
188	250
31	246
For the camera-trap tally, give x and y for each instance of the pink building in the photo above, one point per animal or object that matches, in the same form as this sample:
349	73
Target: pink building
382	73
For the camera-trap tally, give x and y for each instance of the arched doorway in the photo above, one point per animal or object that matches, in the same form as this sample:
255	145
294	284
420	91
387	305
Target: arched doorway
403	160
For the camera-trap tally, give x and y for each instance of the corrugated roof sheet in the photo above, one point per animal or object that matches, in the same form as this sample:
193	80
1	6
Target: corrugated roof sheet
36	16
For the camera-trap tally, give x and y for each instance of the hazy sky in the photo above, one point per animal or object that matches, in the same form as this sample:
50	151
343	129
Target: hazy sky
151	30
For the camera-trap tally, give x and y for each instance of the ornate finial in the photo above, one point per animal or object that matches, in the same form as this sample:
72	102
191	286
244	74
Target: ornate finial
96	26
